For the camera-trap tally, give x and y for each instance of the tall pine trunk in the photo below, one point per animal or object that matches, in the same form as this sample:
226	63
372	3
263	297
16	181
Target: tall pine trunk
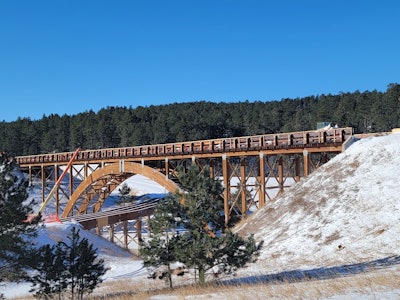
202	276
169	276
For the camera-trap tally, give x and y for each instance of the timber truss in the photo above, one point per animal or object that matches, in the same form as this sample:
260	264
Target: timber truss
253	170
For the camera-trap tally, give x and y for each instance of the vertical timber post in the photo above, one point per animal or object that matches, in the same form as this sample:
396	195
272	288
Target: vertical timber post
71	180
148	225
225	174
139	230
297	170
261	192
306	162
43	182
212	171
125	234
85	170
324	158
280	174
111	233
56	169
30	175
166	168
243	184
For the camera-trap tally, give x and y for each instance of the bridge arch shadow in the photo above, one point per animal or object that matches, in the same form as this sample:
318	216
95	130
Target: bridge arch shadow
97	186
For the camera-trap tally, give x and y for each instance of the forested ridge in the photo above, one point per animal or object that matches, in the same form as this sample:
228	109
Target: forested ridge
369	111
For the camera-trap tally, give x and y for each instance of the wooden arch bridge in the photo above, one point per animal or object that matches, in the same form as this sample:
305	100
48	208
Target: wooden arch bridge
253	170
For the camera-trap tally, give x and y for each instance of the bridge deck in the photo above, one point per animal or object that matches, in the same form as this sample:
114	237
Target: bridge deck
113	216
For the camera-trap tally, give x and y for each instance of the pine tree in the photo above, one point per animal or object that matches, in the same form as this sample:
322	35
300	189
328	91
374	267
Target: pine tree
71	266
204	241
15	233
47	280
160	251
207	243
125	196
83	268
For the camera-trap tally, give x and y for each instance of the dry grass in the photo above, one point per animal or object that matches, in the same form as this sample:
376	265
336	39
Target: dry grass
371	284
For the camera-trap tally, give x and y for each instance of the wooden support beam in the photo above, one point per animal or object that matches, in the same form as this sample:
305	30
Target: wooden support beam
43	173
125	230
212	171
166	168
306	162
111	233
280	174
57	196
261	193
243	185
139	230
297	169
71	180
225	175
85	170
30	174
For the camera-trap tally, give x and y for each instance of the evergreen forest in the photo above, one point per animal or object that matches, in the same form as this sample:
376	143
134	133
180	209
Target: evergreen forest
369	111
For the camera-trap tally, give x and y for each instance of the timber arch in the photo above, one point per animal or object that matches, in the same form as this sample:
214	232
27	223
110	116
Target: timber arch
97	186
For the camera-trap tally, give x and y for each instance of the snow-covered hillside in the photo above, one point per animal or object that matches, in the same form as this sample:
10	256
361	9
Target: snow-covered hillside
346	212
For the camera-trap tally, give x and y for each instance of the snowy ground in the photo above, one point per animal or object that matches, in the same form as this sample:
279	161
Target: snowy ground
121	263
341	220
348	211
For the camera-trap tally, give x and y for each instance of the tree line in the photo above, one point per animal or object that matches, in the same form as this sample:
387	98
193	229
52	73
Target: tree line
369	111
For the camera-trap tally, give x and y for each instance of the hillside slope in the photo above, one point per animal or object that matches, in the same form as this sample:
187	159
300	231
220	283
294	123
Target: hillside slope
346	212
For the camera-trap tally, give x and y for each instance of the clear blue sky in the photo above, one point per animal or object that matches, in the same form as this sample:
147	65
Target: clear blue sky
66	57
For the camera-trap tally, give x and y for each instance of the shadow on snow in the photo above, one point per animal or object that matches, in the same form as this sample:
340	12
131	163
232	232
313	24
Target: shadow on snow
318	273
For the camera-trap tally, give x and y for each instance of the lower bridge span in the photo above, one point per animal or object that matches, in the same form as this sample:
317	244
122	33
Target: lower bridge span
118	216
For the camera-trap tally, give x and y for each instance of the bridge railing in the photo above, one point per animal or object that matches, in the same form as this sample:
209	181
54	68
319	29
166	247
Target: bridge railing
228	144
